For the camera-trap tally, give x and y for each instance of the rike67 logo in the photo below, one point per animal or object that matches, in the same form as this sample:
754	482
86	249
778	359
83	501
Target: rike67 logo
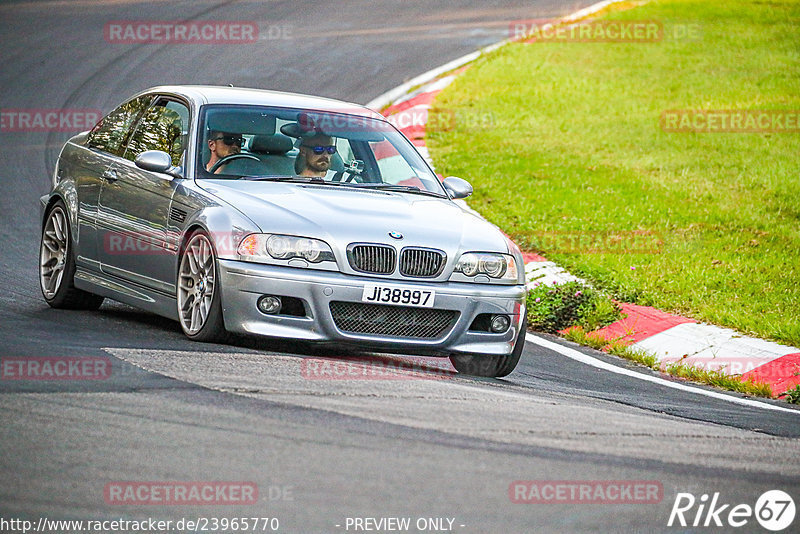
774	510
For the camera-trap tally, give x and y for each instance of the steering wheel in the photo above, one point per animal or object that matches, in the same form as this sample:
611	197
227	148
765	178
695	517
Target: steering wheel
228	159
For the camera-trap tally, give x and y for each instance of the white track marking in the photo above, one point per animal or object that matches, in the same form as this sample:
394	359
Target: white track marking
594	362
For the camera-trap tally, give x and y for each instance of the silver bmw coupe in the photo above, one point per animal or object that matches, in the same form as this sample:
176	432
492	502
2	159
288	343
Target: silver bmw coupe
275	214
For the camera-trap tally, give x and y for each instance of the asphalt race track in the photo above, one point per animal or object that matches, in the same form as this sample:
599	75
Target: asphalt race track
434	445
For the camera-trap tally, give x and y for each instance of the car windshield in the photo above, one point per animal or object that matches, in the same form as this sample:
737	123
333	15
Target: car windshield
281	144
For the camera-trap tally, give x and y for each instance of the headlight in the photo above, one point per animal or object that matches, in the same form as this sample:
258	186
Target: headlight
498	266
284	247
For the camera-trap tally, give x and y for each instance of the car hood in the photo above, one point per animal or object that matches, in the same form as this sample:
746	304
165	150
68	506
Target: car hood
342	215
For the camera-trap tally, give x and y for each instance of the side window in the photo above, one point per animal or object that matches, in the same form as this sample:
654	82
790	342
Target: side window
113	130
165	127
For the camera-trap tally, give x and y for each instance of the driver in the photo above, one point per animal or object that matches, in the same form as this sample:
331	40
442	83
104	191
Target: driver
222	144
314	158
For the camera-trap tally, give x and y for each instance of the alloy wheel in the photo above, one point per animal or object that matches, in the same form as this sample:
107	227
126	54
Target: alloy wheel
196	284
54	252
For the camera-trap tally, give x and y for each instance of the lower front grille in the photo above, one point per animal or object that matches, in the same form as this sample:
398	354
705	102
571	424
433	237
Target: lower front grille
393	321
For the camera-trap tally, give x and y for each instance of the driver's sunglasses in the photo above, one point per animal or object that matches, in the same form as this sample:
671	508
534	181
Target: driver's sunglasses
319	150
231	140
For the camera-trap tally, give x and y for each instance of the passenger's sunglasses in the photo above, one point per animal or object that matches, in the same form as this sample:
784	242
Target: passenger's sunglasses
319	150
230	140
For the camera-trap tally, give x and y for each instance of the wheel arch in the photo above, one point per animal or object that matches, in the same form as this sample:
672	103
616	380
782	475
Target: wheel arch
69	197
188	233
224	226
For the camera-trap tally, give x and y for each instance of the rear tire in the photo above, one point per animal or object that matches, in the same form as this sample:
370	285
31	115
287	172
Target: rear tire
57	264
199	302
490	365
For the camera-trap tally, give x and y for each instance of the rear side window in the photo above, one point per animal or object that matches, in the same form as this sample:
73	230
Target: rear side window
113	130
165	127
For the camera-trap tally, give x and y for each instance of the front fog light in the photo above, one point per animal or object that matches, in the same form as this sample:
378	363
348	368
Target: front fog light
269	304
500	324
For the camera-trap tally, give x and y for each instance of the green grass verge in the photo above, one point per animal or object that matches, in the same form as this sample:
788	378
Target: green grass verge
793	395
564	140
556	307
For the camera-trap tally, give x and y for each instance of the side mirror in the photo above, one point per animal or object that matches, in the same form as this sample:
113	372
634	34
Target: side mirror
157	161
456	187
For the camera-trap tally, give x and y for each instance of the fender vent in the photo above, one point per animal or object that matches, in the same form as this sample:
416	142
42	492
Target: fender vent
177	215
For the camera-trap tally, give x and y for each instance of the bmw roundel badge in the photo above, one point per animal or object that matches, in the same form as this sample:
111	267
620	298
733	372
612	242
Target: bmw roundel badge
395	235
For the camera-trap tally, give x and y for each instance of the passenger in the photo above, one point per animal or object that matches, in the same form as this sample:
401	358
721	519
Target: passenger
315	156
222	144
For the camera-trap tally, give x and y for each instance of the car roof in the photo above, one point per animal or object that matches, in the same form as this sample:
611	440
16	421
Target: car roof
213	94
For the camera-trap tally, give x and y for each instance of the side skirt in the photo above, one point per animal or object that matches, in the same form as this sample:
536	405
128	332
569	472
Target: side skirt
126	292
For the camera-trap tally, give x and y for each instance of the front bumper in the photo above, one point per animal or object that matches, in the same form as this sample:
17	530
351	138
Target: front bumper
242	283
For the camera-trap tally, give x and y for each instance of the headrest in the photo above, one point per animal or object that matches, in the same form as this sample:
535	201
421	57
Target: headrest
271	144
240	122
294	129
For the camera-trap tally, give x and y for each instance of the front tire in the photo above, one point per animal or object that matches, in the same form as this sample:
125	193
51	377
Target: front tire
57	264
199	306
491	366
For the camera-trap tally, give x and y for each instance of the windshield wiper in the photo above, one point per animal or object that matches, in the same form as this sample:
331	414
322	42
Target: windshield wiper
402	188
319	180
284	178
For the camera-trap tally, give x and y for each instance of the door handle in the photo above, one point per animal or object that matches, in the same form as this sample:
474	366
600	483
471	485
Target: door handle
110	175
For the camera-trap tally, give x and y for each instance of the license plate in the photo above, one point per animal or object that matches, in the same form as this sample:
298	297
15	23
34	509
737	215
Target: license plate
398	295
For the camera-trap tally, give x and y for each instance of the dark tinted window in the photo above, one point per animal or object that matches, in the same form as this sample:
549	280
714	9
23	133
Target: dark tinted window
165	127
111	133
